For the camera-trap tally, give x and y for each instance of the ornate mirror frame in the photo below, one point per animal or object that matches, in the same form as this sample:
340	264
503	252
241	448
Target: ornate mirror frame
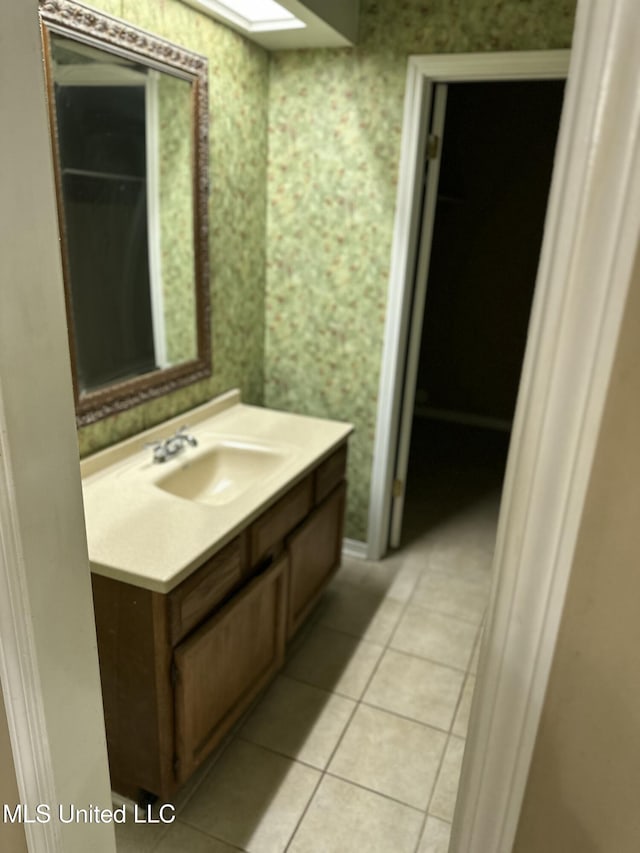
77	22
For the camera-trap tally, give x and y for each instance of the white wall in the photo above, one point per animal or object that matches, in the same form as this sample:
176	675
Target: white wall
582	791
48	659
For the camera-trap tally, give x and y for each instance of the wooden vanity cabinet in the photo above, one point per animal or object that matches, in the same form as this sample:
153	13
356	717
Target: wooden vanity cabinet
139	632
137	692
179	669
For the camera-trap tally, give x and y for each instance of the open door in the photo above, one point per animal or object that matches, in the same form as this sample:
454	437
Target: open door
491	148
432	176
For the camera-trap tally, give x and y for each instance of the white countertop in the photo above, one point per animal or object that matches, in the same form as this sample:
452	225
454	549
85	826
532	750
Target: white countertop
140	534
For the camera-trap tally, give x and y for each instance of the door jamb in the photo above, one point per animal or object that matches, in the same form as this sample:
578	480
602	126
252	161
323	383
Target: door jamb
585	273
430	182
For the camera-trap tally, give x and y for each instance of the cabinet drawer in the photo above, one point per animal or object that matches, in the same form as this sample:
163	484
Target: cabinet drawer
329	473
268	531
190	602
314	555
222	666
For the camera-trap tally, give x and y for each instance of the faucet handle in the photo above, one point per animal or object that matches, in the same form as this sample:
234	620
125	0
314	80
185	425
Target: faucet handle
159	450
182	432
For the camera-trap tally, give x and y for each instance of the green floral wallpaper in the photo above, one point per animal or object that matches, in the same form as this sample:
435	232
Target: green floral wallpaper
175	191
238	107
306	333
334	141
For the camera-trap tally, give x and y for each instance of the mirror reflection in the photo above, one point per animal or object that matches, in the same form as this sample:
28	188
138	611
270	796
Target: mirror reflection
130	160
125	168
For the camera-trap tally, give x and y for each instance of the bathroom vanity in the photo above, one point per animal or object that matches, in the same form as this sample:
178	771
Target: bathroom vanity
203	567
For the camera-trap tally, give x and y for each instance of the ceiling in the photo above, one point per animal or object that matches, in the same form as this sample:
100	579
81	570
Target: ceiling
328	23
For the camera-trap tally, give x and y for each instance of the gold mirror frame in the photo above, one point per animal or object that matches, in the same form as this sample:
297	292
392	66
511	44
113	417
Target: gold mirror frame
77	22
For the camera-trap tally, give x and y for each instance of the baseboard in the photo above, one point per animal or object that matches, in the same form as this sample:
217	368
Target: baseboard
465	418
354	548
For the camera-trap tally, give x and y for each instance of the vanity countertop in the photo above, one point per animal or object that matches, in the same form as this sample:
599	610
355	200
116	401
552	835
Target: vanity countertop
142	534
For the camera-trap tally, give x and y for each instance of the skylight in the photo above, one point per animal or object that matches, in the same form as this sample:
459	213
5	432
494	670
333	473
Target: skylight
253	15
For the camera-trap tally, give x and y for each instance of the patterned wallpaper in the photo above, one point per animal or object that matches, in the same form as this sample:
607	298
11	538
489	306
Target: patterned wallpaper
175	180
334	140
334	126
238	103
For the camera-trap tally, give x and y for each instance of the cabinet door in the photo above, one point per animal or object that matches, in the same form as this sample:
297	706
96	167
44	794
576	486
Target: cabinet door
314	555
222	666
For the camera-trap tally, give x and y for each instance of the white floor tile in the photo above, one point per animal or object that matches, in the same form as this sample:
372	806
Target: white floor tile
252	798
391	755
463	596
440	638
461	723
444	797
343	818
183	839
416	688
299	720
436	836
353	610
138	837
335	661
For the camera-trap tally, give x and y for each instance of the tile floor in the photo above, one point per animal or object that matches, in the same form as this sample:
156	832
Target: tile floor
357	745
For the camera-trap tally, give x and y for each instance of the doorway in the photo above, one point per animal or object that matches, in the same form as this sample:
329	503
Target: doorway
491	149
423	75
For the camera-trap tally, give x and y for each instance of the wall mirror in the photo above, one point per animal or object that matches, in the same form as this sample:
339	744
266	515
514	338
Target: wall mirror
129	126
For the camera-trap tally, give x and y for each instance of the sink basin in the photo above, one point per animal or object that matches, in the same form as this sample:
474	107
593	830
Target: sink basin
222	473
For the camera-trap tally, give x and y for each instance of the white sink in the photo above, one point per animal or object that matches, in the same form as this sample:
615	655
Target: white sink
221	473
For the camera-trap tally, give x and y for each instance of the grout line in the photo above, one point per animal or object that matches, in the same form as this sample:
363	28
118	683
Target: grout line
437	777
358	701
210	836
303	813
433	726
375	791
344	633
338	743
473	622
207	767
458	703
453	719
213	837
384	647
281	754
330	692
319	782
410	602
457	669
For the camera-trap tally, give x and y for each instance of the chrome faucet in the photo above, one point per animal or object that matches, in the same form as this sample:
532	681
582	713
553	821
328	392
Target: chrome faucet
163	450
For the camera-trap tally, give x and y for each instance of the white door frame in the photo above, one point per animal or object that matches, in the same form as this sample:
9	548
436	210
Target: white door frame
418	301
49	673
589	246
590	240
423	74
